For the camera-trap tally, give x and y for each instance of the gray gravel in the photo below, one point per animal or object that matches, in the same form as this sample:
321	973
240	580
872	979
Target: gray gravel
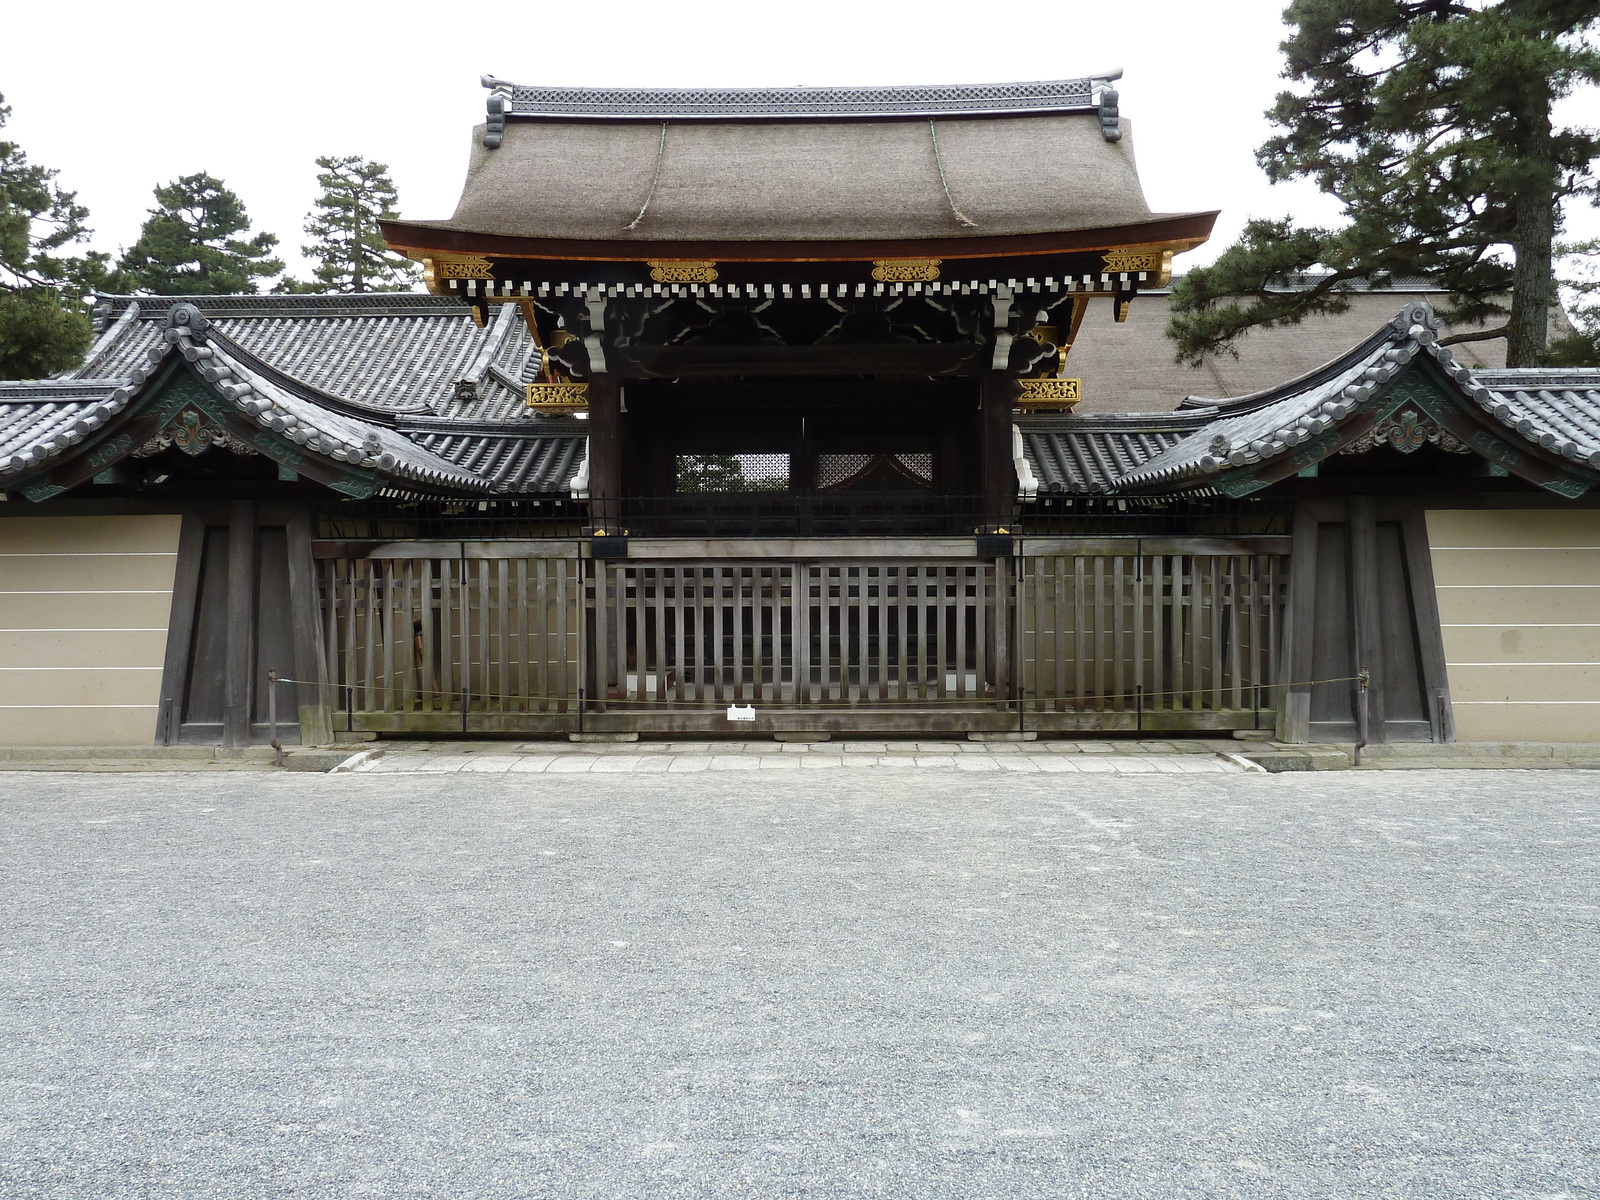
891	984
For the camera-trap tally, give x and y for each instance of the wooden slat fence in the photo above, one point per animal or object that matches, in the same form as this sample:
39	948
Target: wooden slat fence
1114	628
1116	633
437	634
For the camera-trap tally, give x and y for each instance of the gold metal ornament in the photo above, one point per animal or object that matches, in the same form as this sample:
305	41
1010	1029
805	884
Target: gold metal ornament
906	270
558	397
1049	394
683	271
1118	261
458	266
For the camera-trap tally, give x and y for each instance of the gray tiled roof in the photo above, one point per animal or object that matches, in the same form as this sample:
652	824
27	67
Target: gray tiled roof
1089	454
384	351
39	418
1555	410
544	460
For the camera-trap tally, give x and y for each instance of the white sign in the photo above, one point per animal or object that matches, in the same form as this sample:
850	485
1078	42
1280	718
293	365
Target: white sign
741	712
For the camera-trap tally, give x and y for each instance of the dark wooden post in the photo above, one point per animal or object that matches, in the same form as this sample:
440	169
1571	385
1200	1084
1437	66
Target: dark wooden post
605	451
1366	619
1294	692
238	685
310	657
999	475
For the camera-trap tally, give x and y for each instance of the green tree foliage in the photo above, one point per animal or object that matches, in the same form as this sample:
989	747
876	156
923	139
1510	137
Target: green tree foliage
1581	347
347	244
44	327
1430	122
196	243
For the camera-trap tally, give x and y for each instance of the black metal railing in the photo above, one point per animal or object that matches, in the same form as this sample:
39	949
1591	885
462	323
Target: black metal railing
787	514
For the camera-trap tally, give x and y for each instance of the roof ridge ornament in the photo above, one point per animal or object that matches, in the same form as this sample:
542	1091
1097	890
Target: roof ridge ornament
1088	94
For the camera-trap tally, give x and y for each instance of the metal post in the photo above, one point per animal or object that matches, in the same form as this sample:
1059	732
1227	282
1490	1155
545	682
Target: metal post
272	715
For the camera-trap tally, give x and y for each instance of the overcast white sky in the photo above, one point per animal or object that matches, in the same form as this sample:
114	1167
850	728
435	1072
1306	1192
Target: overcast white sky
122	96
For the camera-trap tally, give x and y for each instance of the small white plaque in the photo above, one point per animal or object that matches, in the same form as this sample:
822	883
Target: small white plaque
741	712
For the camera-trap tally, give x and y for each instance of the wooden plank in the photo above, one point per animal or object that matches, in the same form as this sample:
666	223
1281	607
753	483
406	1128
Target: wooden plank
525	652
1297	633
1121	573
384	573
1238	573
1215	566
1365	617
1141	607
601	609
962	609
429	684
1003	616
1160	617
239	668
180	628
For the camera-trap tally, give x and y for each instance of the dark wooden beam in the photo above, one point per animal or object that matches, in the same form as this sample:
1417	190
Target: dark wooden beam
605	448
999	475
239	666
681	362
1366	618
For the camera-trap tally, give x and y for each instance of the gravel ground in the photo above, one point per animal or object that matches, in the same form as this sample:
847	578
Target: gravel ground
881	985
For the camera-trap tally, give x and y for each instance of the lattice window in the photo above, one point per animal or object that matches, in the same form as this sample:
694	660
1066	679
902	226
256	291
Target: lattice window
712	473
836	472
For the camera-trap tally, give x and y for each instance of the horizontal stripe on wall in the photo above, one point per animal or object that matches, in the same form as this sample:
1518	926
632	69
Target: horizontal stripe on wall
1503	549
95	592
1523	625
1525	703
88	554
1507	587
89	629
1505	662
31	707
152	668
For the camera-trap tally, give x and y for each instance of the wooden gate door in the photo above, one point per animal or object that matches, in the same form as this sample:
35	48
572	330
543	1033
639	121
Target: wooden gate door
846	644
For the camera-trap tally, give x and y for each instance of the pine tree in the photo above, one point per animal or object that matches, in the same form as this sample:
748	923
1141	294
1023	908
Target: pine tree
1430	122
196	243
44	325
347	244
1581	347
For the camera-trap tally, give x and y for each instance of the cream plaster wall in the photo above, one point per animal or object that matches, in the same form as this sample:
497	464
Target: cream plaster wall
84	606
1519	605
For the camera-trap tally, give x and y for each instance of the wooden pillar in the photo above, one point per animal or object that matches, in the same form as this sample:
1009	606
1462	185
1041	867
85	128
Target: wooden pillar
1366	619
239	667
310	657
999	476
1294	704
605	450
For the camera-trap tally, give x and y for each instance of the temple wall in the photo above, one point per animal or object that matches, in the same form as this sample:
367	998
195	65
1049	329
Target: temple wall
1519	606
84	606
